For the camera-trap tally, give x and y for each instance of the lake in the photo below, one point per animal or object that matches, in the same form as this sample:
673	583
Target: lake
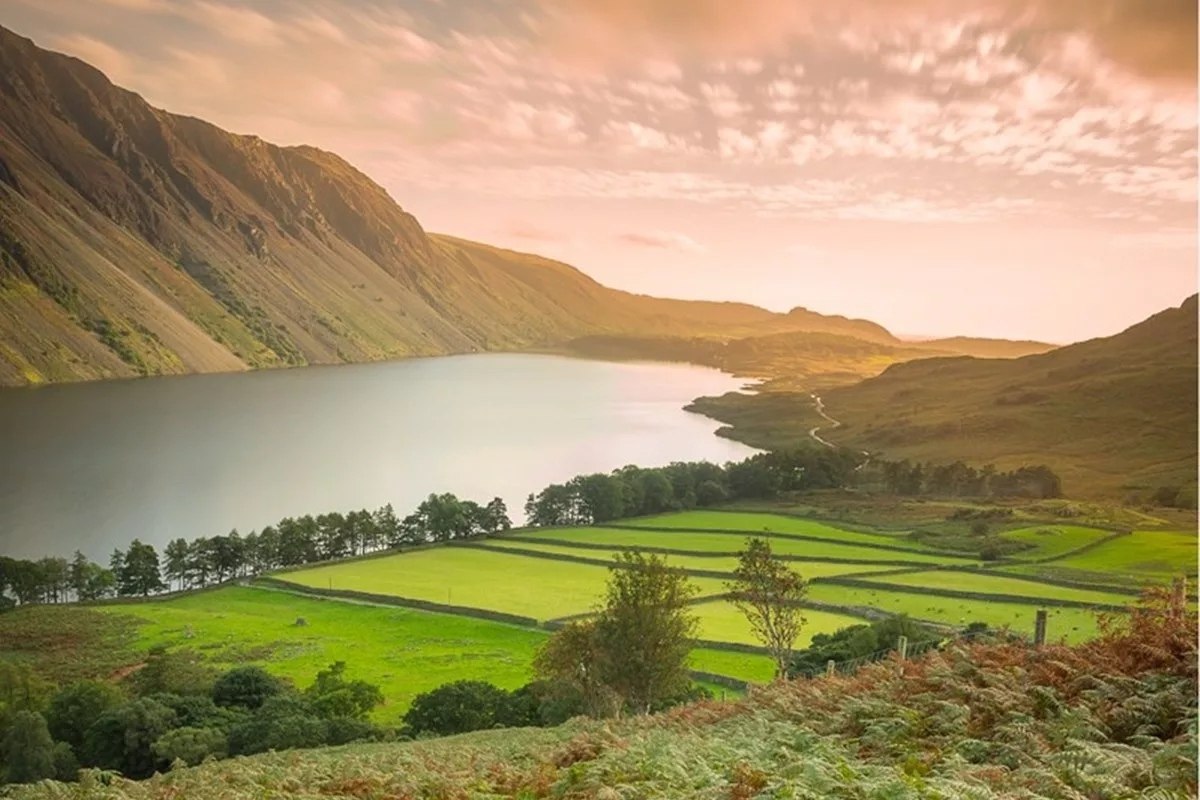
91	466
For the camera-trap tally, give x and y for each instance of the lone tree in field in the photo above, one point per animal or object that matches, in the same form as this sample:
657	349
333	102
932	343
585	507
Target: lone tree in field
767	591
633	653
645	631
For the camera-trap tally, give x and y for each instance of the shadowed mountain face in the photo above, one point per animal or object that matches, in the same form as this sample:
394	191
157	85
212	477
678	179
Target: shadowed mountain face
1113	415
134	241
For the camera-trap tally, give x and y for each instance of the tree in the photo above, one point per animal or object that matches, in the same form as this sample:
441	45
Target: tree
28	749
569	664
331	695
246	687
645	632
494	518
176	557
74	708
768	593
388	526
123	738
139	573
456	707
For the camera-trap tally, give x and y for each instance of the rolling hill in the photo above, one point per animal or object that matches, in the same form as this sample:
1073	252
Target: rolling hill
135	241
1113	415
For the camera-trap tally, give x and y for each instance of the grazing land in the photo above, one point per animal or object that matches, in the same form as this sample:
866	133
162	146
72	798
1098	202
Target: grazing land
531	573
1138	558
731	542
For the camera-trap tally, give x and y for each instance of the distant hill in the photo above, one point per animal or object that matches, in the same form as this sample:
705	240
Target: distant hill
135	241
1112	415
983	348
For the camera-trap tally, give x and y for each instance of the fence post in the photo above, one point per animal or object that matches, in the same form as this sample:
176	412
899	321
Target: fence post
902	650
829	668
1039	628
1179	595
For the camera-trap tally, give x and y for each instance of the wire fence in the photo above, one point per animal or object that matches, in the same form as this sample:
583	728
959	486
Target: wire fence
905	648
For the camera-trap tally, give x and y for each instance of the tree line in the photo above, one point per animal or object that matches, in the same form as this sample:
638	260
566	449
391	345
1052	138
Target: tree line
140	571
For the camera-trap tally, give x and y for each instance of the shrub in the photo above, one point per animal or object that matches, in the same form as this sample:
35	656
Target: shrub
246	687
73	709
28	749
456	708
122	738
190	745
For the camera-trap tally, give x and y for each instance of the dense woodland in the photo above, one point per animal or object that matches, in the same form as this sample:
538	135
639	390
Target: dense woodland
140	570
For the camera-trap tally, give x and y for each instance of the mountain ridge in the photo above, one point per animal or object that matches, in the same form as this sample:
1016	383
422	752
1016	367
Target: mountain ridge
135	241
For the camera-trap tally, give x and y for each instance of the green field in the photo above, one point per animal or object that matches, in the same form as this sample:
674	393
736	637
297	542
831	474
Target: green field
1143	557
463	576
1072	624
720	621
958	580
728	543
717	563
405	652
773	523
1052	541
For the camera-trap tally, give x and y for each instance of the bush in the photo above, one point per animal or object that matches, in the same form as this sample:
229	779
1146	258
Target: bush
73	709
28	749
246	687
66	765
173	672
190	745
456	708
123	738
857	641
332	696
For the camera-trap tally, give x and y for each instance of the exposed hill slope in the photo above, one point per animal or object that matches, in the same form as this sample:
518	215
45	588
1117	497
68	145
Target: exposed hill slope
1109	414
135	241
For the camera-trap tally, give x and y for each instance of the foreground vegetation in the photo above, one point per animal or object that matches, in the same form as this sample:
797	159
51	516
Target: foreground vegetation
1113	718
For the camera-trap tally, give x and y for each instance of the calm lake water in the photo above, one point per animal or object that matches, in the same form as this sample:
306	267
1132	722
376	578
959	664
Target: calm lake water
92	466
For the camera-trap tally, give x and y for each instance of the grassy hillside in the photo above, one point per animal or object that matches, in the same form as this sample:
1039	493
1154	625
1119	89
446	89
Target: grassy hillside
1115	718
136	241
1115	416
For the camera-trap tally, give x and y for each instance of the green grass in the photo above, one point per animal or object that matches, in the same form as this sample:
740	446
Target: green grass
1052	541
512	584
1075	625
718	563
405	652
992	584
778	523
744	666
721	621
1139	558
731	543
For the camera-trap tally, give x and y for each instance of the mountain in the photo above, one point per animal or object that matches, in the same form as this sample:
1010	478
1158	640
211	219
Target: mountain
135	241
1113	416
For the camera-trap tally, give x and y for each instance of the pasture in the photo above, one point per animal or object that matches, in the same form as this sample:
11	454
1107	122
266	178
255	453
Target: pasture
1136	558
464	576
730	543
1053	541
407	651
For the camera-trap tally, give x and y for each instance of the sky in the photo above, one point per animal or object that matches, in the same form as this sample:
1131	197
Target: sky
1011	168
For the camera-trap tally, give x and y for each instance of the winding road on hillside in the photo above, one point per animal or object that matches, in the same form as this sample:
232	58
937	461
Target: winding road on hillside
819	405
